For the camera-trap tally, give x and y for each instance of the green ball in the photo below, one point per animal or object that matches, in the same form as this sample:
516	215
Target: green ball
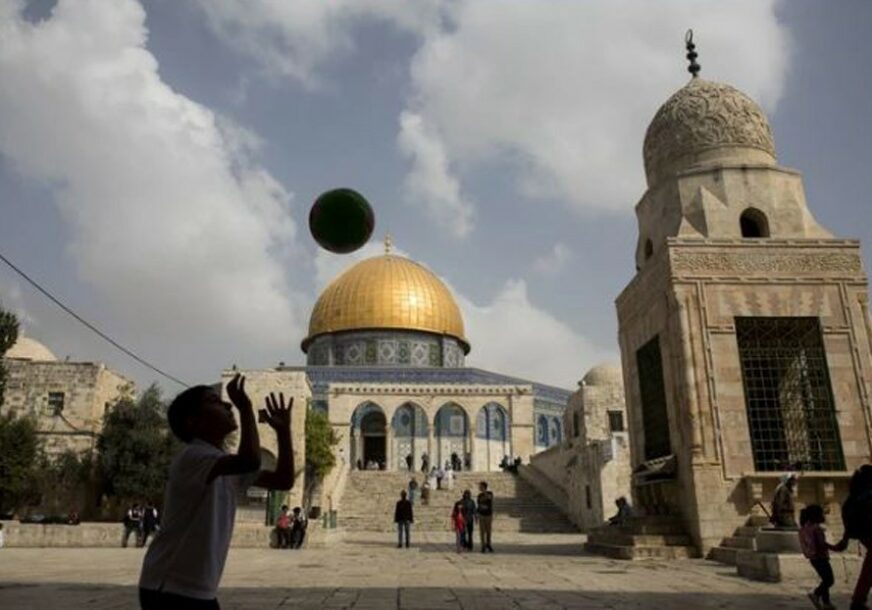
341	220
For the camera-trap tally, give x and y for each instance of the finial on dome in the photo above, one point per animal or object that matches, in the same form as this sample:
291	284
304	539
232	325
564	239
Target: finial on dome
388	243
694	67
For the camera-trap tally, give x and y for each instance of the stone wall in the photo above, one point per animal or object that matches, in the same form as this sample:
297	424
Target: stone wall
68	399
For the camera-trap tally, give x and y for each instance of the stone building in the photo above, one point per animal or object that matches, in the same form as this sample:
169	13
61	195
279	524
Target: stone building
591	467
745	333
68	399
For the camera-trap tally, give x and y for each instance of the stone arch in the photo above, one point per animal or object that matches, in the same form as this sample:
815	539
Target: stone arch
368	435
555	431
493	436
754	224
451	426
541	431
410	430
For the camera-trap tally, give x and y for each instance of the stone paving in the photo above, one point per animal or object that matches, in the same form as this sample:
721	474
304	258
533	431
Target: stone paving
367	571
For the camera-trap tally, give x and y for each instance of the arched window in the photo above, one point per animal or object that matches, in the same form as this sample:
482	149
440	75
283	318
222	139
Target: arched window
649	249
754	224
542	430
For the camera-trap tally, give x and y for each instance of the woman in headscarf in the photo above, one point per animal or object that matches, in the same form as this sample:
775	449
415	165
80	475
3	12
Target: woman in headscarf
783	503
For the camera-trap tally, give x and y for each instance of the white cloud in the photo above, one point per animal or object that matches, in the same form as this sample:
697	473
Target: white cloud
554	261
430	183
562	91
512	335
174	224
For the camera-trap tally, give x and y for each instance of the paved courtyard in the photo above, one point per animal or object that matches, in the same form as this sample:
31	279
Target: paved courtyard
367	571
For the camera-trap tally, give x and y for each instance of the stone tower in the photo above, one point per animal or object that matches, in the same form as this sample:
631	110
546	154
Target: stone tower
745	333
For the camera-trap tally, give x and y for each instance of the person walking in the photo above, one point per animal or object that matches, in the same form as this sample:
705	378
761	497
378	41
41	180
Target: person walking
150	523
425	463
813	542
485	513
857	519
469	511
440	476
132	525
413	491
403	518
458	524
449	477
410	461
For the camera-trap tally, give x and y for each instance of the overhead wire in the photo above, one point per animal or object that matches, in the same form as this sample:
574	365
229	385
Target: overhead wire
90	326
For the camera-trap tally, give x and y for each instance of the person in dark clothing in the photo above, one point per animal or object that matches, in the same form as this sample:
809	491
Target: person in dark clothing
132	525
468	506
485	514
404	519
409	462
857	519
425	463
298	528
814	545
150	523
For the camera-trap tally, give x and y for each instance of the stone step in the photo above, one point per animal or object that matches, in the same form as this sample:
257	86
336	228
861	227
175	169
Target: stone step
746	531
615	551
738	542
617	537
724	555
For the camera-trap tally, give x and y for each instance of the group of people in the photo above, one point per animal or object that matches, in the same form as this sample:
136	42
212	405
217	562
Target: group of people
141	520
291	528
465	513
454	463
857	522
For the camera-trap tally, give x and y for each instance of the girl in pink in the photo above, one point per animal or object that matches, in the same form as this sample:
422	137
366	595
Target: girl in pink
458	524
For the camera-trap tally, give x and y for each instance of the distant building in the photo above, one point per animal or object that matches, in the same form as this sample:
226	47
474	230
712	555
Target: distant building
68	399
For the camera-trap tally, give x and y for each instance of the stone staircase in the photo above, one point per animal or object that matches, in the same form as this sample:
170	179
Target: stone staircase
653	537
742	539
370	496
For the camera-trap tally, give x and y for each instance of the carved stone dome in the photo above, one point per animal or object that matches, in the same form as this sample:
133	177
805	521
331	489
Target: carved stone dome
706	121
387	292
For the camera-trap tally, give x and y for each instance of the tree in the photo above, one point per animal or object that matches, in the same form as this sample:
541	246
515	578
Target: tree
65	483
8	337
135	448
320	440
19	456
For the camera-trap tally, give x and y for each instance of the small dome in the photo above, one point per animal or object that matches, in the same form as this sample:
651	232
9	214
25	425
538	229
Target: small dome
706	121
26	348
603	375
387	292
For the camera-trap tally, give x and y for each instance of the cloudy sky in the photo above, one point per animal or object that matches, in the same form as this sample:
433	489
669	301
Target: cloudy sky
158	159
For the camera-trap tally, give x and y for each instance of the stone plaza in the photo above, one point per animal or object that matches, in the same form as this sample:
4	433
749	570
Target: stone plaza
539	571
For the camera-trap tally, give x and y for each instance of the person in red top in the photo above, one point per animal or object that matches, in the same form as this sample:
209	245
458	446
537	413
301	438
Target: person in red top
814	545
458	524
283	528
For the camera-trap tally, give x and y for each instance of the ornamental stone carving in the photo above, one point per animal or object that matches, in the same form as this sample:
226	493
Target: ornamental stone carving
701	116
720	263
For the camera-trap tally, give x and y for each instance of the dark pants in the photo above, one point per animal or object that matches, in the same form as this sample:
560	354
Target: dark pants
825	571
297	537
146	533
470	527
161	600
284	537
403	528
131	529
864	580
484	530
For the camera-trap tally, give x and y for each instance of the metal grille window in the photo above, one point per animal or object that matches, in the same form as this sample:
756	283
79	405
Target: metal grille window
55	403
616	421
655	420
791	411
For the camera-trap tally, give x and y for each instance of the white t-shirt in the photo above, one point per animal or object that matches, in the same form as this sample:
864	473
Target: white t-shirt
187	556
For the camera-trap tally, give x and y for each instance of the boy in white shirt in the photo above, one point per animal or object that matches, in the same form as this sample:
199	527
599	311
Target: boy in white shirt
183	565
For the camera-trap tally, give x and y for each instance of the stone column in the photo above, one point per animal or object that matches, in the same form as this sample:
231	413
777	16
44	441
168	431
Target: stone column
357	448
431	446
389	448
471	449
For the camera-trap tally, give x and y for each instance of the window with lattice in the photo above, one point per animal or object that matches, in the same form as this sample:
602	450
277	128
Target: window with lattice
655	421
55	403
788	396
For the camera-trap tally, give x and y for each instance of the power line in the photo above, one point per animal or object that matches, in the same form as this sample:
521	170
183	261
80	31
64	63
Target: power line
90	326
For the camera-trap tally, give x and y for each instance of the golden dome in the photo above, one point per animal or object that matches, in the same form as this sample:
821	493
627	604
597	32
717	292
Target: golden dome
386	292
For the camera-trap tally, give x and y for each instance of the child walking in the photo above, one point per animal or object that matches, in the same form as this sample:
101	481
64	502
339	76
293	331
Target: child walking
458	523
816	549
183	565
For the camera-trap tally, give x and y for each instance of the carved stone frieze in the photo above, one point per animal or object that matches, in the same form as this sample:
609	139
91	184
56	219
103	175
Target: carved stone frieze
728	263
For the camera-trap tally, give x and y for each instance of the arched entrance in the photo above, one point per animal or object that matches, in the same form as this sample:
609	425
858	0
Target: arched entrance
369	435
492	432
452	434
410	429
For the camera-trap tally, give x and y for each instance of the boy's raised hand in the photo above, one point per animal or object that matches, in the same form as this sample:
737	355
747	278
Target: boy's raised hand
276	414
236	392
